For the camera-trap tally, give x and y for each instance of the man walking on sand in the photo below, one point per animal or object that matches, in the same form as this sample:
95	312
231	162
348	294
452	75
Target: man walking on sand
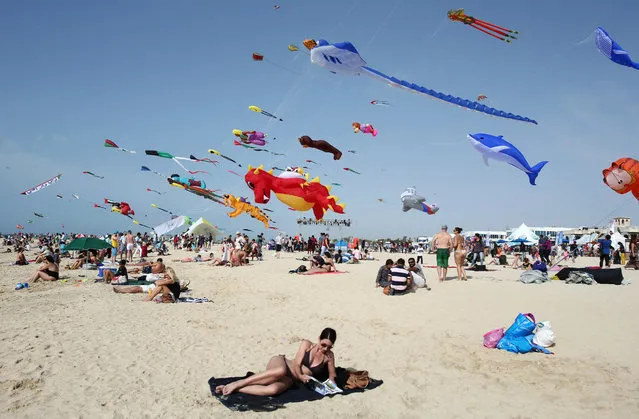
442	244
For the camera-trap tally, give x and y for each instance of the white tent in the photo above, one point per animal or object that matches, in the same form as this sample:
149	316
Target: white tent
523	232
616	237
202	227
171	225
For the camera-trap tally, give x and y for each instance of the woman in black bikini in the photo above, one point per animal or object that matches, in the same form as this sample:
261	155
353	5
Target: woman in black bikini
48	272
316	360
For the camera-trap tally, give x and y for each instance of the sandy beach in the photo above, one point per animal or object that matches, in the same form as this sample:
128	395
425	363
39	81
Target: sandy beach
77	349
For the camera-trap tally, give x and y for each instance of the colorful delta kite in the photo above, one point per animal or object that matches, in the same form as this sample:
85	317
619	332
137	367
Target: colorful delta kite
497	148
166	155
111	144
296	192
42	185
343	58
410	200
623	176
263	112
293	48
242	205
321	145
364	129
250	137
495	31
613	50
195	186
212	151
481	97
93	174
380	102
19	227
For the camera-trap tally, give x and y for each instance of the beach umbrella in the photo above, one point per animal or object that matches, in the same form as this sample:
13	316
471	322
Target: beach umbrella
88	243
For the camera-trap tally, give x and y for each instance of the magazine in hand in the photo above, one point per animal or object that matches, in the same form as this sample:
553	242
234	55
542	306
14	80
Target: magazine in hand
327	387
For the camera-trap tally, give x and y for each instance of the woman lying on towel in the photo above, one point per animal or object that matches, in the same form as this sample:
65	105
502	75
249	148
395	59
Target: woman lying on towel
320	264
166	290
316	360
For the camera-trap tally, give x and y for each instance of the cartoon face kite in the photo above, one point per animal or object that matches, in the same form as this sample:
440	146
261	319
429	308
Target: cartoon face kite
623	176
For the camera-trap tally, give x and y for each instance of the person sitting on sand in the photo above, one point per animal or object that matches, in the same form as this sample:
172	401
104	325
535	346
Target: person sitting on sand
515	263
165	290
238	258
47	272
312	360
21	260
383	274
321	264
400	280
121	276
526	266
418	275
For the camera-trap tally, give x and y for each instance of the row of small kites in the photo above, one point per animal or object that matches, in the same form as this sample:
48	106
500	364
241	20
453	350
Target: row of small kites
325	222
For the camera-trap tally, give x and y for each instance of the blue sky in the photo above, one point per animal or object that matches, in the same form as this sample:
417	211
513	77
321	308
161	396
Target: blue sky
178	77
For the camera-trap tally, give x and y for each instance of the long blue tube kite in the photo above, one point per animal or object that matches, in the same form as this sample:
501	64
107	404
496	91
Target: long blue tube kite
343	58
613	50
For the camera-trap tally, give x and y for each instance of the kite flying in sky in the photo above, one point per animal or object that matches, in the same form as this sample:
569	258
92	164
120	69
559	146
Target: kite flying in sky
42	185
263	112
166	155
320	145
250	137
212	151
613	50
93	174
498	32
351	170
146	169
364	129
410	200
153	190
380	102
111	144
492	147
623	176
343	58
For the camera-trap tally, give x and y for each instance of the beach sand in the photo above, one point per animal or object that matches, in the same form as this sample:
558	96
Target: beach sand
80	350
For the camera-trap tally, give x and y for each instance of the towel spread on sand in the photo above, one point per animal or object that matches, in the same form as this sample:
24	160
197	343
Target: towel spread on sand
244	402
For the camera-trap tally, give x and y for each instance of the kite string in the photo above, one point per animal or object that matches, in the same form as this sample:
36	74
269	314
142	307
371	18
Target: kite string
380	27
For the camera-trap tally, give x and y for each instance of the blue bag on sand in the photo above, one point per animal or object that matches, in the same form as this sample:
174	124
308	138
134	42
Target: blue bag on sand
539	266
523	325
520	345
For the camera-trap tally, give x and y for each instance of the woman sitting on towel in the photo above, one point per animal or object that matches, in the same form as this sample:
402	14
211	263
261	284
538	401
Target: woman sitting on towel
166	290
312	360
21	260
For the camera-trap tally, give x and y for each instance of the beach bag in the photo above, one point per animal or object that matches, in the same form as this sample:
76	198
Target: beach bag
544	336
520	345
524	325
503	260
357	379
539	266
418	281
492	338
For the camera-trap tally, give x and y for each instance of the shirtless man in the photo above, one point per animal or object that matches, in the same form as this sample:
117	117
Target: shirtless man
442	243
129	246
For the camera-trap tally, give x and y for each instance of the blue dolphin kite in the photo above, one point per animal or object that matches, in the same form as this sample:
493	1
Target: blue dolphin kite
497	148
343	58
613	50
